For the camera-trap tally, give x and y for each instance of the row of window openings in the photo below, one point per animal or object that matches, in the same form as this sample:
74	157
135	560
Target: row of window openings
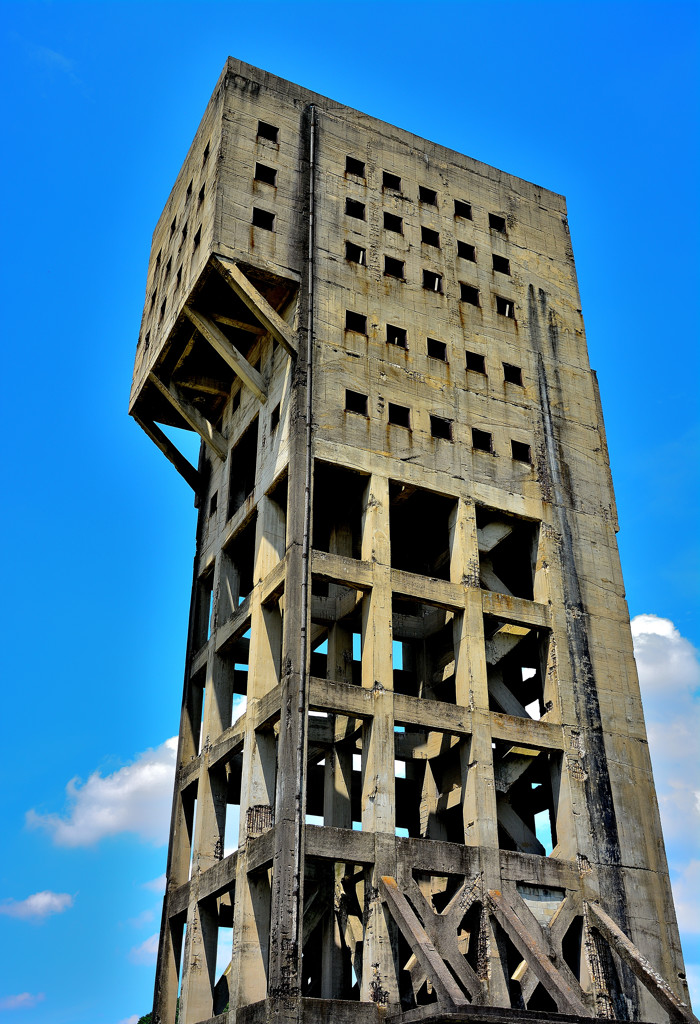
427	196
440	427
392	222
390	181
178	279
183	238
357	323
433	282
438	350
357	254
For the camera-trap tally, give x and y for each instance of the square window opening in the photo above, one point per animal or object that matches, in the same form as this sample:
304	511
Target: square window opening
512	374
263	219
526	781
204	609
430	237
354	166
354	208
356	322
266	174
396	336
501	264
277	532
391	181
409	505
356	402
497	223
424	640
482	440
517	658
355	254
400	415
427	195
393	223
465	251
521	451
200	195
437	775
468	293
437	349
393	267
507	552
192	734
213	504
441	428
237	579
205	154
463	209
335	978
336	617
197	237
268	131
275	418
476	362
505	307
173	225
432	281
243	463
337	525
188	193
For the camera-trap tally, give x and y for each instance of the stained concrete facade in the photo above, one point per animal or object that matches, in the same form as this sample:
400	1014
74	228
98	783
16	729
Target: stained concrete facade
439	796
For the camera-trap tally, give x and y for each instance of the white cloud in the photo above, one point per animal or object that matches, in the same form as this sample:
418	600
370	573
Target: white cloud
37	906
135	798
22	1001
133	1019
147	952
669	676
156	884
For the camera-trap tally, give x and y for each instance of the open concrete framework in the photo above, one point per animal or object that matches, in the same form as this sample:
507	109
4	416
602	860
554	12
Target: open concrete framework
439	796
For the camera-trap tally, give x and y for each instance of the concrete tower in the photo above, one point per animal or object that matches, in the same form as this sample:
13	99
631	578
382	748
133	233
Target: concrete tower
438	791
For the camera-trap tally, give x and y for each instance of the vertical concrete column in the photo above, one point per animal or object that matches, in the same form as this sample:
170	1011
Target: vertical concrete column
337	810
287	897
471	679
379	974
197	992
252	904
199	961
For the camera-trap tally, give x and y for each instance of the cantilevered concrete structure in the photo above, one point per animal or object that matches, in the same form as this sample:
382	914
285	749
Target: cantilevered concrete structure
439	796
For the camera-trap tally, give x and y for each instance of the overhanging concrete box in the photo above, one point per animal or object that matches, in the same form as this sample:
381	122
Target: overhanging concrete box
413	774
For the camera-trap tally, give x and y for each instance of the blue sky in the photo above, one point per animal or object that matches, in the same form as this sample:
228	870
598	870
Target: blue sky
598	101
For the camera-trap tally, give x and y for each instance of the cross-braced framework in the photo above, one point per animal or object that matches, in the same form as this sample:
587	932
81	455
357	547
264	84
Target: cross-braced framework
412	779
